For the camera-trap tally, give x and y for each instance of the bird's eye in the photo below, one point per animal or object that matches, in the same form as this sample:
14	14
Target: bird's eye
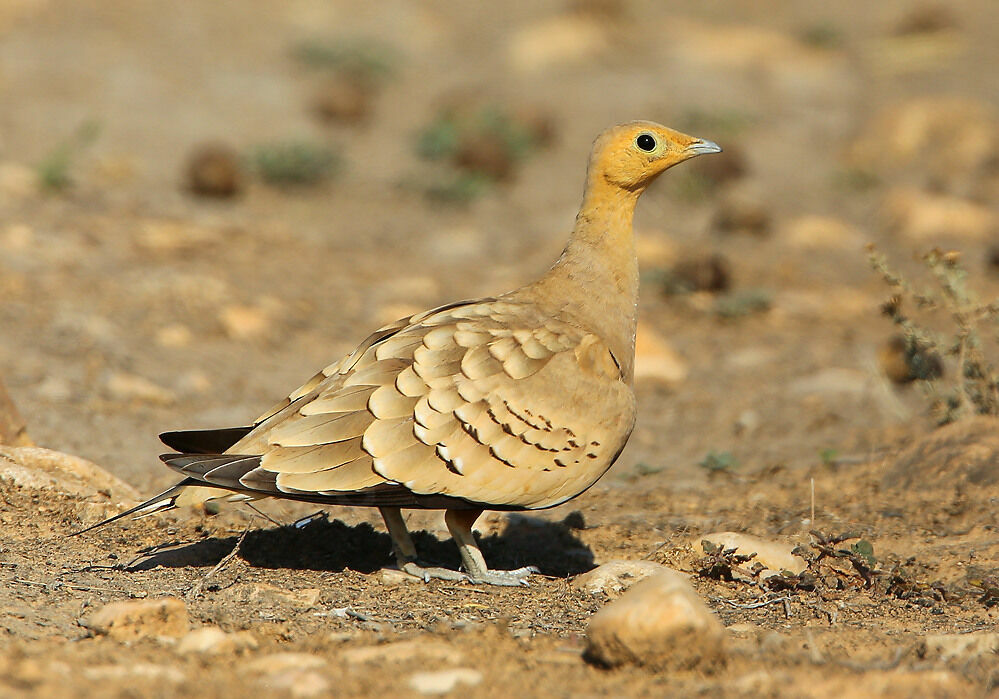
646	142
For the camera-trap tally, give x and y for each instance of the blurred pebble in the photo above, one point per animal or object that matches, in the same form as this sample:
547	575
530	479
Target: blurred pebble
741	211
17	182
722	168
444	681
902	364
174	335
961	646
299	683
557	41
55	389
821	233
125	386
172	237
274	663
926	19
214	170
486	154
17	237
342	98
402	652
924	216
655	360
211	640
710	273
244	322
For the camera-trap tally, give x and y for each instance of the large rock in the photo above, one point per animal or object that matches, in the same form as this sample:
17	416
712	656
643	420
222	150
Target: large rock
775	555
662	623
44	469
133	619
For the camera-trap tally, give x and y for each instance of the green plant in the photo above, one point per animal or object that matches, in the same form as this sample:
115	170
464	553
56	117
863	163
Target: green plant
975	388
54	169
294	163
716	461
367	61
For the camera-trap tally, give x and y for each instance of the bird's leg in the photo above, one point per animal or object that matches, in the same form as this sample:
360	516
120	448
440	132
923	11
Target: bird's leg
459	523
405	550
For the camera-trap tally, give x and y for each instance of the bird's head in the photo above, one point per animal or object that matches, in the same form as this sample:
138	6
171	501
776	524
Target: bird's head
630	156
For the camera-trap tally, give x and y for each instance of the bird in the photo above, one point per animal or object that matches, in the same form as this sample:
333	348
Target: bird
520	401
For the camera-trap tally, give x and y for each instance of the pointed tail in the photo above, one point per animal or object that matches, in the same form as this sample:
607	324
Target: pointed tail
175	496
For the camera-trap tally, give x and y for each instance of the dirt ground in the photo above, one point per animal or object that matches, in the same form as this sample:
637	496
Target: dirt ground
130	306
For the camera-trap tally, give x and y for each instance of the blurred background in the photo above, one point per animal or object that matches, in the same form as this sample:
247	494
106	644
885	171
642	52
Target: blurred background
203	203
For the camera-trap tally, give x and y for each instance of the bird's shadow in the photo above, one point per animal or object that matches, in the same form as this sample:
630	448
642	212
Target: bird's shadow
331	545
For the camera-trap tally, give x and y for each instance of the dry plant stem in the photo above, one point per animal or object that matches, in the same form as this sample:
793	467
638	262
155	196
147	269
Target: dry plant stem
196	590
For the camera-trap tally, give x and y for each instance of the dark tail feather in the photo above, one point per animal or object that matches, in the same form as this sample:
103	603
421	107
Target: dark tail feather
204	441
163	501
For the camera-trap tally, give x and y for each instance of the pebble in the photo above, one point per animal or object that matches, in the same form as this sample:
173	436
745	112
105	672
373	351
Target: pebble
557	41
125	386
402	651
341	98
211	640
244	322
924	217
299	683
275	663
393	576
264	594
132	619
660	622
963	646
444	681
133	671
615	577
214	170
821	233
655	360
775	555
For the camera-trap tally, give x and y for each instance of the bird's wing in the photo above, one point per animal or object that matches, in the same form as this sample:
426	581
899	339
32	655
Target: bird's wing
490	402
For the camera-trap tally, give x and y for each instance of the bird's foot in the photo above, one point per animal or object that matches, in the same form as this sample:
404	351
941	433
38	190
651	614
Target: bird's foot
428	573
504	578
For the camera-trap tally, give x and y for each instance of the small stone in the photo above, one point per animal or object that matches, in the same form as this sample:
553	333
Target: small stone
402	651
925	217
775	555
662	623
211	640
558	41
614	577
125	386
393	576
902	364
486	154
275	663
166	237
174	336
214	170
444	681
17	182
244	322
299	683
17	237
133	671
821	233
742	211
165	616
655	360
343	98
711	273
963	646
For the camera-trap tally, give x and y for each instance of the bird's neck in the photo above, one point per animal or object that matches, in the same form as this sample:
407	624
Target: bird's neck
595	281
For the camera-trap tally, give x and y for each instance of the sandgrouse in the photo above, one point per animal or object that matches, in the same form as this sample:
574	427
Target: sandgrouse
517	402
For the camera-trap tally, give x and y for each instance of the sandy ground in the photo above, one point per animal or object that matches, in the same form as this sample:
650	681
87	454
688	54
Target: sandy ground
129	306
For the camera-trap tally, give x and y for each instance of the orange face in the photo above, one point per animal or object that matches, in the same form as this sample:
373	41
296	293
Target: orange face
631	155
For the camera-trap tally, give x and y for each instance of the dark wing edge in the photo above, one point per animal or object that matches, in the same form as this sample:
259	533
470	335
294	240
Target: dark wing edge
164	501
212	441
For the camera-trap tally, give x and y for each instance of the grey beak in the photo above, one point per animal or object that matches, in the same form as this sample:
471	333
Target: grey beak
700	147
